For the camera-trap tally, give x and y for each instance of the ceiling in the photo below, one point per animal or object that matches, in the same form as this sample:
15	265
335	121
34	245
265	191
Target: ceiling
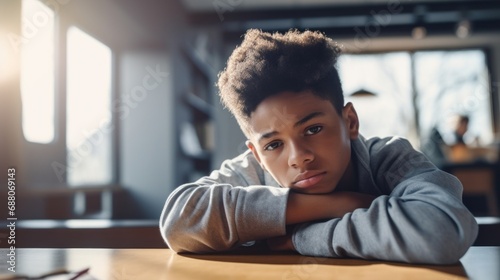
204	5
381	18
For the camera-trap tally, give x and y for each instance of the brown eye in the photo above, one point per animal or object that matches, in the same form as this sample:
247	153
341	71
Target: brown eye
313	130
272	146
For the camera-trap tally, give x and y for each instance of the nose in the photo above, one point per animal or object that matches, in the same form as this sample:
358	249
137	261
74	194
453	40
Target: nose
299	155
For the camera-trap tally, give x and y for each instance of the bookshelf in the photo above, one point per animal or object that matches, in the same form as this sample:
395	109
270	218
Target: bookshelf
196	127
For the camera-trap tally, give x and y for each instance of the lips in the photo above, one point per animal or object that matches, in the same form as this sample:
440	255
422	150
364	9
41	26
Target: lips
308	179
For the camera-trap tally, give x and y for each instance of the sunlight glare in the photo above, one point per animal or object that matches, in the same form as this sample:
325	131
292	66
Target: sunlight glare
88	104
37	76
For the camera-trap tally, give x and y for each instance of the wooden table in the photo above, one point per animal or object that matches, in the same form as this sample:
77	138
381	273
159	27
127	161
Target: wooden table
478	263
103	233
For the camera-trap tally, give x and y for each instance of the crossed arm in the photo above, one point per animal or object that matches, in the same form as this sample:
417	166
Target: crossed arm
400	227
211	216
303	208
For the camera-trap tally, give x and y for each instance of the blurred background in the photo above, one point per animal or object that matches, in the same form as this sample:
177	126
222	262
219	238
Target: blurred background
107	105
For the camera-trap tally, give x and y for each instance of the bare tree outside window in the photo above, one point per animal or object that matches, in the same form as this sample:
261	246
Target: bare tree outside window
413	93
452	83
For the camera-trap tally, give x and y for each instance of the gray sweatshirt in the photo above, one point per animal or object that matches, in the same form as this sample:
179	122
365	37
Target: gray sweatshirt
417	217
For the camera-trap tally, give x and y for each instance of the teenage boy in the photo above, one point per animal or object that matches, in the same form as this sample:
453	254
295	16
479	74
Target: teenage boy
309	182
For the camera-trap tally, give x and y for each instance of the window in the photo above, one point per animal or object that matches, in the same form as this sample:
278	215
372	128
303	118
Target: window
454	83
389	111
412	93
37	72
88	132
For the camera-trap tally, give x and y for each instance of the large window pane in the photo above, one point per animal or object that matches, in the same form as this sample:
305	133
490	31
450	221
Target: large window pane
452	83
37	71
88	110
390	111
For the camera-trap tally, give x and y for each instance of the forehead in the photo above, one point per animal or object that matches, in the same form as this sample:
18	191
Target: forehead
285	109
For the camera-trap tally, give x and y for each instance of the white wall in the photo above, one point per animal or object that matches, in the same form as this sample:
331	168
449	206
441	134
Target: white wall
147	138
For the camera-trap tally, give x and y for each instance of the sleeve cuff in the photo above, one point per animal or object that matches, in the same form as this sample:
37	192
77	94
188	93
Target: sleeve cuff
263	215
315	239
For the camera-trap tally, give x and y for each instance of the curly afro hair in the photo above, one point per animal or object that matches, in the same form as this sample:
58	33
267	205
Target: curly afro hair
266	64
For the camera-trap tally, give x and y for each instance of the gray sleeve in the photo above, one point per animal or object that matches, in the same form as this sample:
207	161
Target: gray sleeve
422	220
224	210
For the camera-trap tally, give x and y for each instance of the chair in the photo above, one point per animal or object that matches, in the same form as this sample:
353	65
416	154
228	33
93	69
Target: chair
479	180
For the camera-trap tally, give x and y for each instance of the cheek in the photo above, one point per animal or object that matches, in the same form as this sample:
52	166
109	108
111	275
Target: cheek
276	166
333	149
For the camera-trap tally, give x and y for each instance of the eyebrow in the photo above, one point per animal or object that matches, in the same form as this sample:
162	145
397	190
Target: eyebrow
305	119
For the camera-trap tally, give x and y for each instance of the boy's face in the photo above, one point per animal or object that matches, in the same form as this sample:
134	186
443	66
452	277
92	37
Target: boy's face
303	142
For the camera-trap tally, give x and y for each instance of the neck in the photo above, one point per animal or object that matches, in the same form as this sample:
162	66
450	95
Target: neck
348	182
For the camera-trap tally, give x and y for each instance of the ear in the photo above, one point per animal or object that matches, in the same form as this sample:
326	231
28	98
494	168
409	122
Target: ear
351	120
252	148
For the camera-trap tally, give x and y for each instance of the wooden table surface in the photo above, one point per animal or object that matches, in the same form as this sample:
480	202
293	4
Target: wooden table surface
478	263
